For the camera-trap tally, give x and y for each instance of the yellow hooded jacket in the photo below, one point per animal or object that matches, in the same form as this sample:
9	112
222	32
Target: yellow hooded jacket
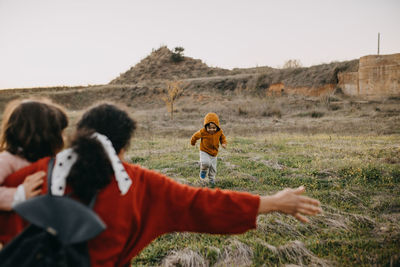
209	142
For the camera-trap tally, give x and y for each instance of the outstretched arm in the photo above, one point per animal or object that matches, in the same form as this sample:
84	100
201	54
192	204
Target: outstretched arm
290	201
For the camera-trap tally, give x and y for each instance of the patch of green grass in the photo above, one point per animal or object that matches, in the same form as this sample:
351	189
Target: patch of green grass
138	159
356	178
395	173
242	141
296	161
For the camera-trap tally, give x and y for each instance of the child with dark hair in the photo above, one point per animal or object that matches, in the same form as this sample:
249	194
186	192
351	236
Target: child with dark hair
138	205
211	135
30	130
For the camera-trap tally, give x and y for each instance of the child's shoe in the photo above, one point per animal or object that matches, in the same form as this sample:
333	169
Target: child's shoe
203	174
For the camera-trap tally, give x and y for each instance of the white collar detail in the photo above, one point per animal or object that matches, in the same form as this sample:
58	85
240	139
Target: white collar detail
66	159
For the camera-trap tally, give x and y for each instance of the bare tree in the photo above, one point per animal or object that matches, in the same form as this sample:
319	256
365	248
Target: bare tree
292	64
173	92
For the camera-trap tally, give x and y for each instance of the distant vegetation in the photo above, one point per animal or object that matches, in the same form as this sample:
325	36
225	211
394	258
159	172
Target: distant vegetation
177	55
292	64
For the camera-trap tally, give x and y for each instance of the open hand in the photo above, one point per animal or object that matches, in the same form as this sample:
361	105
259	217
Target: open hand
290	201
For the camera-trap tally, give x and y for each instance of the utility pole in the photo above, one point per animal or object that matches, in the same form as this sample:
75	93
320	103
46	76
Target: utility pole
379	37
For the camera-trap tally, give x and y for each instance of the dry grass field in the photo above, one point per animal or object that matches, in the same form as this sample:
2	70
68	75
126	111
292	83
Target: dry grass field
355	177
345	151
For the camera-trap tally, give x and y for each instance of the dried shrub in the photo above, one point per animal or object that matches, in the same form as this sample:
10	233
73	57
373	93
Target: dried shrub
242	112
334	107
184	258
236	254
292	64
312	114
173	91
317	114
272	113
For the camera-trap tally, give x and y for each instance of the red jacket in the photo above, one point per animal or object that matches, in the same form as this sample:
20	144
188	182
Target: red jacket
154	205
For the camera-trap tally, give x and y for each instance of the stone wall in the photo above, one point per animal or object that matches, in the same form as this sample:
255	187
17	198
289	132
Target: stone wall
378	76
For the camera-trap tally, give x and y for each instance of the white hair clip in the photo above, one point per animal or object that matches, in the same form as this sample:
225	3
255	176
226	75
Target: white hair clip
67	158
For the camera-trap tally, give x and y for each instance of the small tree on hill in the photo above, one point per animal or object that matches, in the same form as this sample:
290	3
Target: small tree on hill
177	54
292	64
174	91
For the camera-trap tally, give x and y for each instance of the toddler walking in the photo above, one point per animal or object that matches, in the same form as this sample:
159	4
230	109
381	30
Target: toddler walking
211	135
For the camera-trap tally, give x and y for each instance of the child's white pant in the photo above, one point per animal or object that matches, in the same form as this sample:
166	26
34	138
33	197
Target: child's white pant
208	162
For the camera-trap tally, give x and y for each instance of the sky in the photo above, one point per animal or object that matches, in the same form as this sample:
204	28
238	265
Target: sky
89	42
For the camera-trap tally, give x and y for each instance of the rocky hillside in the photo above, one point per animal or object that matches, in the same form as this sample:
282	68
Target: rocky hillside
160	66
313	76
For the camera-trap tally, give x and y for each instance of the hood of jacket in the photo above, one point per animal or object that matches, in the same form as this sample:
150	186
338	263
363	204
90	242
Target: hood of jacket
211	117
